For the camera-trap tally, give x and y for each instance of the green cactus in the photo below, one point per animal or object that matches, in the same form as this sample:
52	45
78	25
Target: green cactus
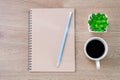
98	22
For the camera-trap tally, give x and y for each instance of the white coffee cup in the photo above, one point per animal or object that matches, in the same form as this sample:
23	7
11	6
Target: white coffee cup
103	54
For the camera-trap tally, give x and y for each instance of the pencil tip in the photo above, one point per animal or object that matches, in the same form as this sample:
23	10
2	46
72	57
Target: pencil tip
58	65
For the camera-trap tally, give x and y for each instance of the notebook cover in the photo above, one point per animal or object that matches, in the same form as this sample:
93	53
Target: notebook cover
46	30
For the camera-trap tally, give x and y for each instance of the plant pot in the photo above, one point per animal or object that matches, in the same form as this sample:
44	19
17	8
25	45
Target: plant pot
89	27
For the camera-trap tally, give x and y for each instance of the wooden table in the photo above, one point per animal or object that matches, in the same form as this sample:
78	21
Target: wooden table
14	47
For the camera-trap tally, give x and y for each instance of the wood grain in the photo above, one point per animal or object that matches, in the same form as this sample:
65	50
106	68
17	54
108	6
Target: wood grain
14	47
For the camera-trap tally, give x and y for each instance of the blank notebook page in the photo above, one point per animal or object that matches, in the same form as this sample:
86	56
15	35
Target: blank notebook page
46	31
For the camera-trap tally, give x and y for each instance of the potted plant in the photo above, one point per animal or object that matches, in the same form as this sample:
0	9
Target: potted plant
98	22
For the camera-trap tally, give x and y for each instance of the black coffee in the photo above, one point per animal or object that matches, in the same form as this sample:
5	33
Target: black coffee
95	48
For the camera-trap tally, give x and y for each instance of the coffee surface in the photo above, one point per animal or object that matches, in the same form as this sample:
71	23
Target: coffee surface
95	48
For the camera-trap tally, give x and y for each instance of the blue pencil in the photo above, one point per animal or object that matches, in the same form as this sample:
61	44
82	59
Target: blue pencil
64	39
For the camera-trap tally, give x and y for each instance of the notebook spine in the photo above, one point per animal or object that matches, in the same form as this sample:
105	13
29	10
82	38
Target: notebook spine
30	41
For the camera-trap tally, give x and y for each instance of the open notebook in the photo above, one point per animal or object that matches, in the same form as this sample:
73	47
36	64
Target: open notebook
46	30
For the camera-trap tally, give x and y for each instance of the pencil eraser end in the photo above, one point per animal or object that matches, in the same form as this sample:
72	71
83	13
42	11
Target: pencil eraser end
70	13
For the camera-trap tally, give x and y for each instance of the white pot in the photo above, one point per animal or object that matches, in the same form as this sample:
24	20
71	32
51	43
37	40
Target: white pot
96	31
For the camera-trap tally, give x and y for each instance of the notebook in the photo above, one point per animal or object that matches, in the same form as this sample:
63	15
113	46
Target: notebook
46	30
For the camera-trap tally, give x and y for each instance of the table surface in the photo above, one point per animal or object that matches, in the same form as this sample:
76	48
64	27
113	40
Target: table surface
14	38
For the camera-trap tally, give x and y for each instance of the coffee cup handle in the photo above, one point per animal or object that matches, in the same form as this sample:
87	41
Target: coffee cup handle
97	64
